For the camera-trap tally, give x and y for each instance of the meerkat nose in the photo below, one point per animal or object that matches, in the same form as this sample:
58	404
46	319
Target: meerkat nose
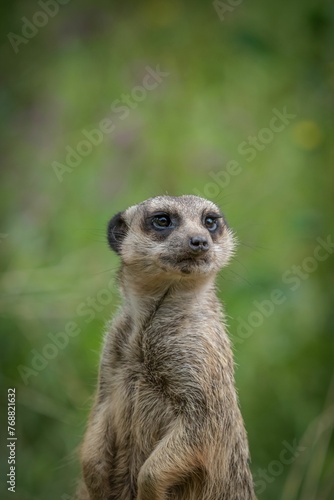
198	244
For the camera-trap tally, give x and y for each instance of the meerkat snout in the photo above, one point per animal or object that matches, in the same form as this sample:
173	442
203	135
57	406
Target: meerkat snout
198	244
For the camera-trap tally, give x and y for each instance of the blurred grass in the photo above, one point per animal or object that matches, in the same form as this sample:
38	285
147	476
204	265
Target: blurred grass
225	79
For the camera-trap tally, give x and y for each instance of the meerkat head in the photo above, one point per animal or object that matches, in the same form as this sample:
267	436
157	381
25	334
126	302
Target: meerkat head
174	236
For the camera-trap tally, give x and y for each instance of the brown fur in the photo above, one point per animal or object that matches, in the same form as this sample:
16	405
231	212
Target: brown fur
166	424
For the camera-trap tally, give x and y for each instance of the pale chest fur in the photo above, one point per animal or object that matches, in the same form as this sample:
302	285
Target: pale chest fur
177	363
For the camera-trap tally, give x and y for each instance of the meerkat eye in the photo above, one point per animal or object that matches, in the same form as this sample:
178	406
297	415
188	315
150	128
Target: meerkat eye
161	221
211	223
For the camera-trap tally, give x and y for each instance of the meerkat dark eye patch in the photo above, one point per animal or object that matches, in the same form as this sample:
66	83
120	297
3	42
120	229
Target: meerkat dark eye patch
117	230
161	221
214	223
211	222
159	224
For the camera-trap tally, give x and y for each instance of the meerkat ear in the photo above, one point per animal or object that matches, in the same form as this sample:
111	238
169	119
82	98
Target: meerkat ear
117	230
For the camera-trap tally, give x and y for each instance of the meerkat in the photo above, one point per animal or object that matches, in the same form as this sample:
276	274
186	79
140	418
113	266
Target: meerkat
166	423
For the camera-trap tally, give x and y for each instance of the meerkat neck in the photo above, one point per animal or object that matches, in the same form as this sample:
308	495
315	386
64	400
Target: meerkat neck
155	286
144	297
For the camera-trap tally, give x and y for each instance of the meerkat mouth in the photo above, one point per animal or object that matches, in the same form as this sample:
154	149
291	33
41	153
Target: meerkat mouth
185	263
190	260
191	264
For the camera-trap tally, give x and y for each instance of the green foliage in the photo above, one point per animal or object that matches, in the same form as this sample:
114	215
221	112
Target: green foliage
208	127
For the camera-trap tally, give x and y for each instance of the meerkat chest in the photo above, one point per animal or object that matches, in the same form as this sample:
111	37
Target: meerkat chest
160	366
140	412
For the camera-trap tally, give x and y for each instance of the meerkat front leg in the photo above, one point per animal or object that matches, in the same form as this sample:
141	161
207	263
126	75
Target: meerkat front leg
96	455
167	465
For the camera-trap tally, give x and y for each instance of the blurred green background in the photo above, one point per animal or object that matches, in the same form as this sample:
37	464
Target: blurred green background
207	127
